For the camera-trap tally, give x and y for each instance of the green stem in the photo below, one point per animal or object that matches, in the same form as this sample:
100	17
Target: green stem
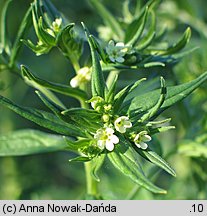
74	62
91	184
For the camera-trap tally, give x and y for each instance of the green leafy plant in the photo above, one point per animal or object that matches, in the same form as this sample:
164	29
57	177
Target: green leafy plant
118	124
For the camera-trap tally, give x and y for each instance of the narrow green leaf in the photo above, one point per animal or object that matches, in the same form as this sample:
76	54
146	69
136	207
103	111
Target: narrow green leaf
35	18
135	29
154	109
177	93
151	123
46	37
152	64
178	46
23	29
41	118
111	92
32	82
161	129
26	142
157	160
50	104
80	159
98	84
148	38
124	159
4	34
38	49
63	89
97	162
99	49
108	18
48	11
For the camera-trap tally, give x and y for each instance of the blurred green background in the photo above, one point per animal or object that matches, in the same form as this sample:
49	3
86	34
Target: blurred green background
51	176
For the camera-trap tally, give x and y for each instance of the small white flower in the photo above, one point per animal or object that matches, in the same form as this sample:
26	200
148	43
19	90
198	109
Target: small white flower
122	123
141	139
83	76
116	52
57	24
106	138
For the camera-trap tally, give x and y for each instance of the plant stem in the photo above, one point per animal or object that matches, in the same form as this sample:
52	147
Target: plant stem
91	184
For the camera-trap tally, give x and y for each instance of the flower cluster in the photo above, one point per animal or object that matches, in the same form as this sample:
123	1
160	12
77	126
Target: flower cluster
105	137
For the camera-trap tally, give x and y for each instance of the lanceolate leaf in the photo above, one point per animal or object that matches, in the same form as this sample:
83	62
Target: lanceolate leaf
178	46
97	162
159	103
50	104
4	37
174	94
97	79
24	27
125	160
148	38
63	89
41	118
80	159
47	10
26	142
157	160
135	29
108	18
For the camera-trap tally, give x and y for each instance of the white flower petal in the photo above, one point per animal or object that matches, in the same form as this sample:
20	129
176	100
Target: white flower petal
120	59
74	82
109	131
136	138
121	129
114	139
138	145
127	124
109	146
101	144
143	145
120	44
146	138
112	58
